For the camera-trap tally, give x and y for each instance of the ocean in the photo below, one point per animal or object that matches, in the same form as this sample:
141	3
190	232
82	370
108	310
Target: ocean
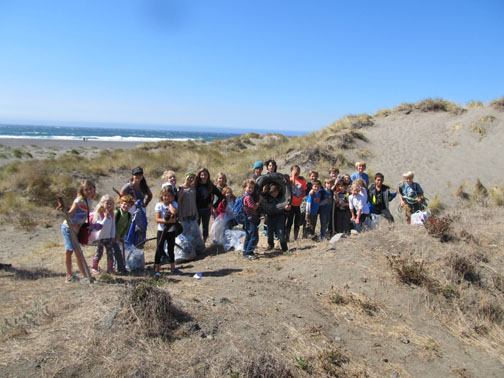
104	134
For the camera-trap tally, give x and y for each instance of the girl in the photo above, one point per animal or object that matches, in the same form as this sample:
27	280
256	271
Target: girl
220	184
224	217
170	180
358	207
166	216
105	237
79	214
298	185
188	212
137	188
411	195
205	190
252	219
342	213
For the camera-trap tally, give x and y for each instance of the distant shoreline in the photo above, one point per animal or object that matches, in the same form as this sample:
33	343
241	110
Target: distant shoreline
41	143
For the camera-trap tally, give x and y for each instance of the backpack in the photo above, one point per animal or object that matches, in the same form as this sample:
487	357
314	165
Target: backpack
239	210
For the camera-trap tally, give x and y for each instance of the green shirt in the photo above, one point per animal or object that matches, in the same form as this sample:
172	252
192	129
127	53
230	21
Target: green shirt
123	220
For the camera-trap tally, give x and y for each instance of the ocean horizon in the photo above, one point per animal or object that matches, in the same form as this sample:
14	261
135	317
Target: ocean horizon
110	134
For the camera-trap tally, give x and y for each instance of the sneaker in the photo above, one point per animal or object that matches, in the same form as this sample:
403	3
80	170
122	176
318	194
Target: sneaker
85	281
251	257
72	279
157	274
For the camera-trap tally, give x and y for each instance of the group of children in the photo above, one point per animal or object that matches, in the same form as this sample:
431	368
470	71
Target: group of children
342	203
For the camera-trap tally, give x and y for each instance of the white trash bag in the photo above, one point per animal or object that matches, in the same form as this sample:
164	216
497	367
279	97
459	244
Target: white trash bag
419	218
135	258
184	251
234	239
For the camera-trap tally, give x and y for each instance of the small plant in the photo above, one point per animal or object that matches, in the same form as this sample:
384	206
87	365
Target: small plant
27	222
465	269
449	292
492	311
17	153
497	195
460	193
338	299
304	365
74	152
332	362
482	131
436	206
440	227
487	119
497	104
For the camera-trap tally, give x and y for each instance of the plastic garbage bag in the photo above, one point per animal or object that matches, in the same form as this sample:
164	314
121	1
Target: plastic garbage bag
220	225
419	218
234	239
192	234
184	251
135	259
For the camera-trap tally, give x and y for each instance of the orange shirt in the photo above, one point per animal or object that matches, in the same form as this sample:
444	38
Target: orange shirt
298	190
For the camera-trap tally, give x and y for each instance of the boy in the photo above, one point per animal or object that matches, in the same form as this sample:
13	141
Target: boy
334	173
358	207
275	220
312	207
251	219
379	197
122	218
360	166
342	213
326	207
411	195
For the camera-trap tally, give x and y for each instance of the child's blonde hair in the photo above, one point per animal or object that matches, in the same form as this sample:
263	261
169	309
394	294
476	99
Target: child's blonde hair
356	185
360	182
359	163
223	175
85	184
101	205
167	174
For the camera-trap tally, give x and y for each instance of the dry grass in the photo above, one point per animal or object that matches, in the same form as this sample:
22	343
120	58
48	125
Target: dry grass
497	104
474	104
429	105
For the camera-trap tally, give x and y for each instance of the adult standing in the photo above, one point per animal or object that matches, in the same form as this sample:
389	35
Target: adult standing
205	191
137	188
298	185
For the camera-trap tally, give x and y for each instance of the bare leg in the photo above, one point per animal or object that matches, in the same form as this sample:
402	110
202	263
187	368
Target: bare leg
68	263
80	264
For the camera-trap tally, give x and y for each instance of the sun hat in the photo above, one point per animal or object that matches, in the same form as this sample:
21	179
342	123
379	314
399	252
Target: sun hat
258	164
189	173
137	171
408	174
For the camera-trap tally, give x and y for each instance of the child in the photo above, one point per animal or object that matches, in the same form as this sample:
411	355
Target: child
258	168
224	217
103	215
411	195
312	207
358	207
379	197
363	187
251	219
188	212
334	174
205	192
360	166
347	179
122	219
342	213
298	188
166	216
78	214
170	180
220	184
275	220
325	207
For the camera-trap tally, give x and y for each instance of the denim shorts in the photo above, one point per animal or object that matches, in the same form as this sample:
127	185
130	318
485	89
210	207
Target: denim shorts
66	236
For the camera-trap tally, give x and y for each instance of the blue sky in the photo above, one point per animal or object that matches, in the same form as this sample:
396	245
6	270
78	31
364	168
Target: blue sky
262	64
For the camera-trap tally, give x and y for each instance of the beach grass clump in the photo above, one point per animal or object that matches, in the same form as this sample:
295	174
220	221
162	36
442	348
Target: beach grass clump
474	104
430	105
497	104
497	195
465	268
262	365
480	193
383	113
478	129
436	206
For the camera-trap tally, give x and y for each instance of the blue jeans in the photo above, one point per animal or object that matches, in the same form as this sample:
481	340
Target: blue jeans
276	226
251	238
204	217
325	216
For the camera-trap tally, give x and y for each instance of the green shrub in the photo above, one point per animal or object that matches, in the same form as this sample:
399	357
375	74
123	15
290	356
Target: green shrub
474	104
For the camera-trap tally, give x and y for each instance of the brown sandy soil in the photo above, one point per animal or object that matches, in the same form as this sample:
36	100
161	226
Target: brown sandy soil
321	310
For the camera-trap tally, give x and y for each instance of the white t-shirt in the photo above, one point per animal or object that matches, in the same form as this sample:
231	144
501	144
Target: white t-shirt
162	208
358	202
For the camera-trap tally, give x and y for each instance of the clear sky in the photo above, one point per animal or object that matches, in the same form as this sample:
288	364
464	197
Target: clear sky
247	64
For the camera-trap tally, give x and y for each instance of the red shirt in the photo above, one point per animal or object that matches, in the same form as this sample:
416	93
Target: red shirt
248	205
298	190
